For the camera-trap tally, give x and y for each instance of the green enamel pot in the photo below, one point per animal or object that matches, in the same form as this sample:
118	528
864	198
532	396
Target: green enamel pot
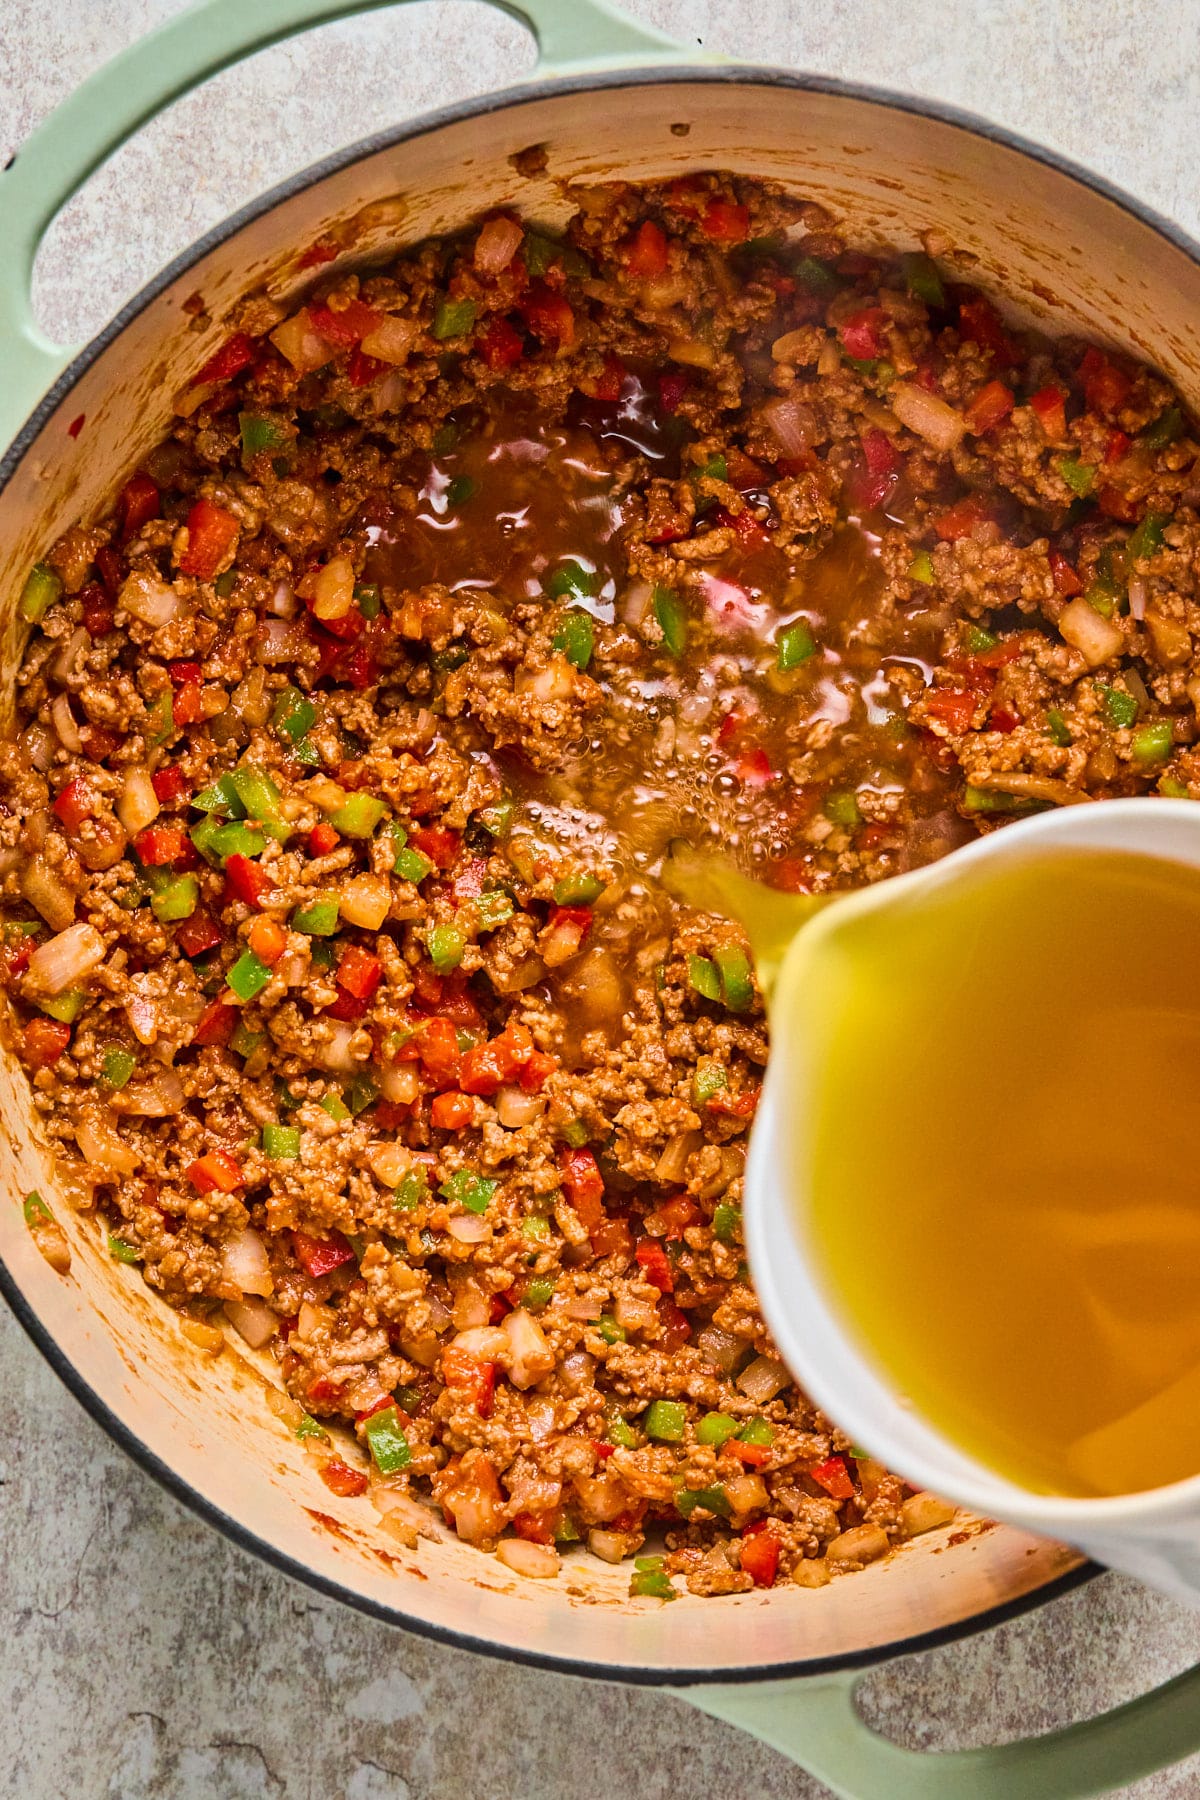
611	99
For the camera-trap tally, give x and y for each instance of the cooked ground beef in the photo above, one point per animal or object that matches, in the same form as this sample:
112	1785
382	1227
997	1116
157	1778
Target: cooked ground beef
352	741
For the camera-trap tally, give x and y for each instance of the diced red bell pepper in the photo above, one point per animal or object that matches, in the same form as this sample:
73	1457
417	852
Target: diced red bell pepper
677	1215
362	369
980	323
112	568
451	1111
1001	718
348	326
438	842
610	382
760	1557
535	1528
537	1071
991	404
1116	445
738	1106
321	252
170	785
860	334
753	768
751	1456
471	1377
212	533
437	1048
870	481
342	1480
73	804
43	1042
237	354
952	707
501	345
834	1477
612	1237
676	1328
655	1264
195	936
726	222
183	672
346	1006
1105	387
645	253
216	1022
582	1184
486	1067
1066	581
322	839
246	881
673	384
97	610
389	1115
158	846
380	1405
359	972
1116	505
139	501
549	316
961	519
319	1256
1050	406
99	743
468	883
216	1169
186	707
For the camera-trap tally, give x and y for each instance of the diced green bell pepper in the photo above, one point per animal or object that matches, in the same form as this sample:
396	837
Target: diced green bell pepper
709	1079
386	1440
469	1189
177	900
921	568
216	839
665	1421
816	276
359	816
924	281
578	890
260	799
842	807
294	715
1147	536
716	1428
319	918
42	589
281	1143
713	1499
65	1007
575	638
493	909
121	1250
794	646
246	1043
35	1211
757	1431
672	620
1122	708
737	980
704	978
1153	743
1164	430
651	1584
1057	727
117	1067
461	489
260	433
445	944
727	1222
538	1293
1080	477
609	1330
335	1106
248	976
620	1432
453	318
412	1191
361	1091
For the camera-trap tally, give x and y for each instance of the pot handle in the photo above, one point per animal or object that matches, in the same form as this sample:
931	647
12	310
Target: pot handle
68	146
816	1724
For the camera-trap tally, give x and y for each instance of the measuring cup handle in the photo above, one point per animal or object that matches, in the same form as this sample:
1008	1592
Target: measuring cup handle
124	94
816	1723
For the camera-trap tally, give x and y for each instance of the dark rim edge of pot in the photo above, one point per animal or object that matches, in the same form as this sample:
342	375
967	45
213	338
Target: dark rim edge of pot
68	1373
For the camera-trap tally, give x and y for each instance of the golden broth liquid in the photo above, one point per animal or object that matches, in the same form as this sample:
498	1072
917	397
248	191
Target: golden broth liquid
1005	1166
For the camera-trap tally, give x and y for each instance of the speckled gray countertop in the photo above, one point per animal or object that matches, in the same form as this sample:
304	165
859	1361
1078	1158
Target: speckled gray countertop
142	1655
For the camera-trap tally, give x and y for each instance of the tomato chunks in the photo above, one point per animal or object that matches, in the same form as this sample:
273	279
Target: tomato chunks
319	1256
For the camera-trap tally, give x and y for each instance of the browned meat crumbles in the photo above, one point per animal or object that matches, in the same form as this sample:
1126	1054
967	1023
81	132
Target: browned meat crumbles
351	744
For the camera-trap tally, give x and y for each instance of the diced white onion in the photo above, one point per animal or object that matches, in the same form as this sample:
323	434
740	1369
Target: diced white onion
333	589
137	806
65	960
635	603
497	244
931	417
244	1263
365	901
583	1306
791	420
38	746
471	1228
64	664
720	1348
47	893
609	1546
672	1164
392	340
253	1319
101	1145
283	601
577	1369
515	1108
159	1097
149	599
1137	598
310	1319
540	1562
64	724
487	1342
529	1356
400	1083
335	1052
389	1163
280	640
762	1379
1097	639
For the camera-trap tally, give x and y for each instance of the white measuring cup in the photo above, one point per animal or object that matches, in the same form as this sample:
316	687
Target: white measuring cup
1154	1534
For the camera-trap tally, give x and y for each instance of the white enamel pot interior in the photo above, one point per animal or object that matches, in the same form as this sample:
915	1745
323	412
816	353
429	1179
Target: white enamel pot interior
1071	253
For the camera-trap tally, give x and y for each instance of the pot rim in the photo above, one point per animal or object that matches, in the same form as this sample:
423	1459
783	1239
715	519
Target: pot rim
72	1377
